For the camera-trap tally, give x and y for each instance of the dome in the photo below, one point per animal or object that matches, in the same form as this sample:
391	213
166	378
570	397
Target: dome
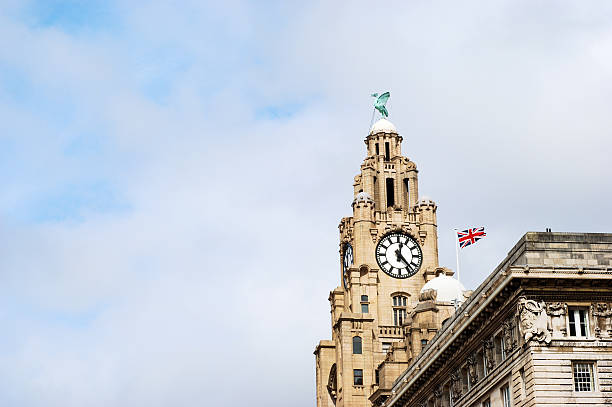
448	289
383	126
363	197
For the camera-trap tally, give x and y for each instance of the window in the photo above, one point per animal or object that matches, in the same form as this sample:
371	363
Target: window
399	309
357	345
386	346
390	192
376	376
465	380
578	322
423	342
523	388
365	306
358	377
376	191
406	191
377	149
486	403
498	343
505	392
583	376
400	301
387	153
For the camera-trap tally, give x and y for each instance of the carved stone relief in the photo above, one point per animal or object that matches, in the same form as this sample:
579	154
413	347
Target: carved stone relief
507	328
428	295
557	312
472	372
456	385
534	321
602	315
438	397
487	346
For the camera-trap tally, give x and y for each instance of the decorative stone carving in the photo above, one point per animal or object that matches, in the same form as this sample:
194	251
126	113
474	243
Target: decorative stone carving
438	397
487	346
456	385
507	328
602	314
534	321
428	295
472	372
557	312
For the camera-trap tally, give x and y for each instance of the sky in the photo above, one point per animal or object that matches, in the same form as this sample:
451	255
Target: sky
173	174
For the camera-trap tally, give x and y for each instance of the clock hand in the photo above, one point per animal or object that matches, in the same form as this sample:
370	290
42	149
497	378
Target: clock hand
399	255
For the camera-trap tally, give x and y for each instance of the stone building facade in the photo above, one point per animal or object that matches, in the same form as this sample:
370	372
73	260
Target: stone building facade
538	330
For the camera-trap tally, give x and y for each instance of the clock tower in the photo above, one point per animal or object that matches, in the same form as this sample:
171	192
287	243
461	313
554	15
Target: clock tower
388	251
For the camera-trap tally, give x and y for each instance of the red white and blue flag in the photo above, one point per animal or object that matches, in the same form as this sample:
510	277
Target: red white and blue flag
470	236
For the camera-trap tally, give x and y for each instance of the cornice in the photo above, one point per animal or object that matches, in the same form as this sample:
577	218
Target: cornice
503	284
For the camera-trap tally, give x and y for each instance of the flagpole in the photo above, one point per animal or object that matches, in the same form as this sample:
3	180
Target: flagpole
457	251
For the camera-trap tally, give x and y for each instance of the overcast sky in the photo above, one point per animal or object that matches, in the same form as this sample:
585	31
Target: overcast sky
173	174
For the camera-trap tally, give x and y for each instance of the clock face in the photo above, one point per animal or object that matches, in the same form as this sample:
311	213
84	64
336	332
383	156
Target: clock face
347	261
399	255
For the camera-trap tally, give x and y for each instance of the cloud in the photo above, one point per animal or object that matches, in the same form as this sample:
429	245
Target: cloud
173	176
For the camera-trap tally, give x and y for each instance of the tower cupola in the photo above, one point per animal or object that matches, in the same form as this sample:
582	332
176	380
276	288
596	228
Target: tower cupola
384	140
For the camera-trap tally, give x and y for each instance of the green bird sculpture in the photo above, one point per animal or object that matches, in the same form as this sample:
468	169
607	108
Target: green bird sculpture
381	101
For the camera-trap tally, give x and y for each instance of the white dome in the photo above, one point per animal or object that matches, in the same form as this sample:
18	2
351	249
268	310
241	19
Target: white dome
383	126
448	289
363	197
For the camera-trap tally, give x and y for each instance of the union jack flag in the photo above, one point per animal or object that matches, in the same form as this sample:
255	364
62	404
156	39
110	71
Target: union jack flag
470	236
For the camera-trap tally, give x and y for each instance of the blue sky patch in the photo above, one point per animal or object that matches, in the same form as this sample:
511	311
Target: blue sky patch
71	15
74	202
282	111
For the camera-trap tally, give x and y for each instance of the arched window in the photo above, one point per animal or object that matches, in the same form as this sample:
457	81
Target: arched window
357	345
332	383
399	309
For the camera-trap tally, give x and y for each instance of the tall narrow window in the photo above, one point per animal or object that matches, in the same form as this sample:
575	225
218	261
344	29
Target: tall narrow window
358	377
583	376
406	192
387	152
399	309
390	192
365	305
578	322
486	403
376	191
523	388
377	149
505	392
498	343
357	345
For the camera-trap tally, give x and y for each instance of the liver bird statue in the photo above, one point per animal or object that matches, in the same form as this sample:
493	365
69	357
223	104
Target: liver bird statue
381	101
